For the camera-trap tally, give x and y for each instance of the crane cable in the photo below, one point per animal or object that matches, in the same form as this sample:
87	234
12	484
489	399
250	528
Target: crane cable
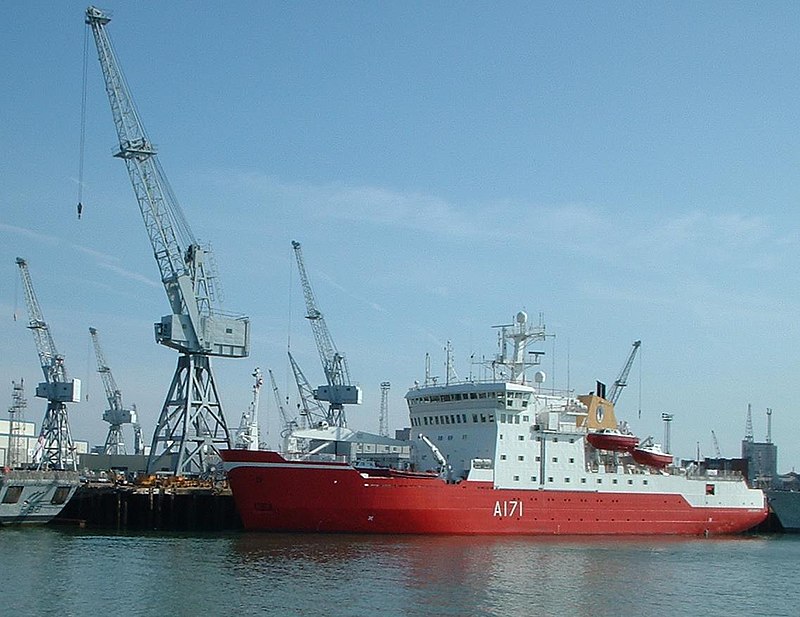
83	120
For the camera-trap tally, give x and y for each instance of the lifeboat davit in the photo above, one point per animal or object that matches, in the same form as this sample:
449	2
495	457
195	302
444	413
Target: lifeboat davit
611	439
651	456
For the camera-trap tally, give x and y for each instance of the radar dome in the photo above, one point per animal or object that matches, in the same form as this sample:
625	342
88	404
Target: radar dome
522	317
539	377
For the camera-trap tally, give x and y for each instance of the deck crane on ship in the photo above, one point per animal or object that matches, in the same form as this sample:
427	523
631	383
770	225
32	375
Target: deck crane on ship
55	449
116	415
191	428
338	392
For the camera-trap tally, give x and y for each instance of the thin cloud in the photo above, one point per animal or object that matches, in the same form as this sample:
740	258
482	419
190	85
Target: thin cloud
134	276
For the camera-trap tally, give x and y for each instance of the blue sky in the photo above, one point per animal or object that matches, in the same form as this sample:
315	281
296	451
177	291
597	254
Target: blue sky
627	170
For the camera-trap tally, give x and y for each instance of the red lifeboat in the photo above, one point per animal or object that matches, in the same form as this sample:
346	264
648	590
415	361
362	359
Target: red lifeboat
611	439
652	456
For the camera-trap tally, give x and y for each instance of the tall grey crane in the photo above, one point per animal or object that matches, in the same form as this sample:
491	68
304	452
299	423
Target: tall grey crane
191	427
55	449
338	392
116	415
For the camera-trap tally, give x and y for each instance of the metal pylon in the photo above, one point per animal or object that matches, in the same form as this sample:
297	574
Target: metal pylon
192	428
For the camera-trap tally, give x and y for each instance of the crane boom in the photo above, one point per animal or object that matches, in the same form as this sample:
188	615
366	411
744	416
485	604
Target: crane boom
55	449
622	380
333	363
192	423
313	411
288	425
716	444
51	361
338	391
186	267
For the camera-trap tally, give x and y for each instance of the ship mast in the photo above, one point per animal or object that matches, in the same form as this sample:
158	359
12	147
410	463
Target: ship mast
520	334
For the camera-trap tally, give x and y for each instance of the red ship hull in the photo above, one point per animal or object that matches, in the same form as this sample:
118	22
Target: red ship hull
274	494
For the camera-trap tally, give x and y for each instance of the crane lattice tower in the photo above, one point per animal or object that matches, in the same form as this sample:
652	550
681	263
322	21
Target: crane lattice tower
383	428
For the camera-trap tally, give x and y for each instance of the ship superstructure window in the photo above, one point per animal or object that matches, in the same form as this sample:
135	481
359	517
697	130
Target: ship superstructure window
520	458
474	417
12	494
516	478
502	457
521	437
533	478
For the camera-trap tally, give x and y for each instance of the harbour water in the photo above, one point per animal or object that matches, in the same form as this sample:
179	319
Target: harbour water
65	571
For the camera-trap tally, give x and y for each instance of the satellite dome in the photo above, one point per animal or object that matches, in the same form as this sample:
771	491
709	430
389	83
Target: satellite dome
522	317
539	377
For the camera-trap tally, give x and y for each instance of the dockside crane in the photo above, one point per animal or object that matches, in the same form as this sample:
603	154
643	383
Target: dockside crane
312	410
191	427
622	380
338	392
116	415
54	449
